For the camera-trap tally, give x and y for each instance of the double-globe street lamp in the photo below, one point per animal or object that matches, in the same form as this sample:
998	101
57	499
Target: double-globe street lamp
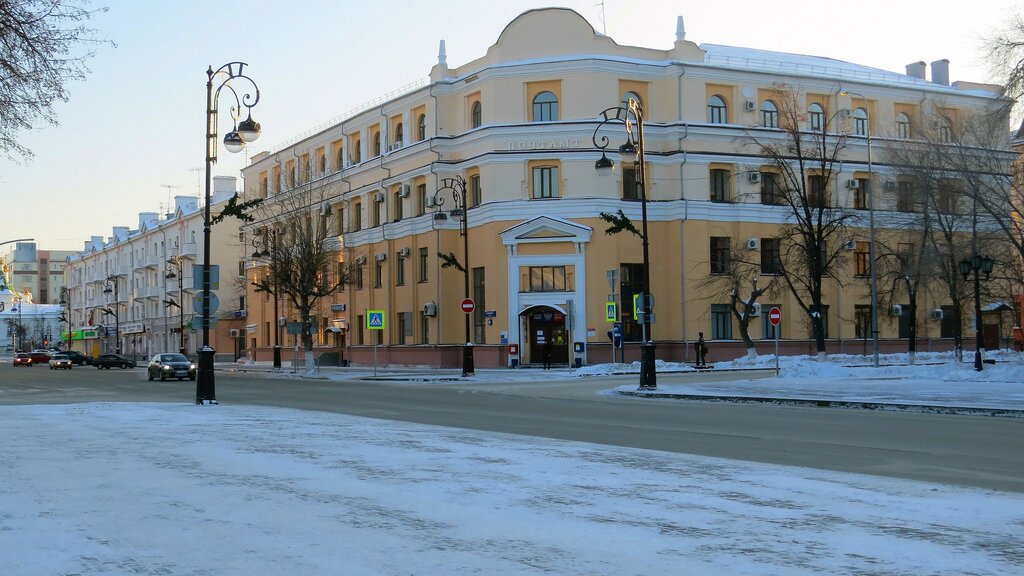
269	240
243	132
113	279
457	185
169	273
977	264
632	118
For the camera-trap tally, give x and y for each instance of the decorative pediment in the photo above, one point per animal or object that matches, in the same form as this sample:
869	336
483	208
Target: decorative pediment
546	229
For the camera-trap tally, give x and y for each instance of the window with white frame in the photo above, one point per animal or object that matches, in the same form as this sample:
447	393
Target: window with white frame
903	126
769	114
545	182
860	122
545	107
717	112
815	117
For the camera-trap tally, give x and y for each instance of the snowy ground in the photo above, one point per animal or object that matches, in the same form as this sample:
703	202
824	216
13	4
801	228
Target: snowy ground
177	489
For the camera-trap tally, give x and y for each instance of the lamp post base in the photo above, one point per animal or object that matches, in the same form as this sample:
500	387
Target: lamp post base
277	357
648	375
978	364
204	380
467	361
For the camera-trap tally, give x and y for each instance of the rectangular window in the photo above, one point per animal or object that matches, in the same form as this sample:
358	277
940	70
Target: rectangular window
768	332
378	274
359	277
421	199
398	205
356	224
721	322
475	193
906	317
720	254
479	297
771	193
545	182
630	185
771	257
399	269
947	200
424	328
359	329
949	323
862	321
816	196
379	206
423	265
403	323
720	185
546	279
860	194
904	196
862	259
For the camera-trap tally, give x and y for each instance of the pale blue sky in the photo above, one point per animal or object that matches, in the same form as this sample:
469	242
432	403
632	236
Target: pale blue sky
137	122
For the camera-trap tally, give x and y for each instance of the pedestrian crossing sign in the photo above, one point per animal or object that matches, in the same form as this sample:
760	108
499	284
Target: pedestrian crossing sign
611	311
374	319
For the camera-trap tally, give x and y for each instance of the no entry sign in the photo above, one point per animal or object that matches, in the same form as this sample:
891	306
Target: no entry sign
775	316
468	305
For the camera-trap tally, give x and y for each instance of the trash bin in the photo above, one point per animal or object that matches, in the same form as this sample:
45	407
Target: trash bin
579	362
515	362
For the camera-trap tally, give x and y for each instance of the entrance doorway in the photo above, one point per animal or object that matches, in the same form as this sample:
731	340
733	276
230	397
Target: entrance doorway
545	327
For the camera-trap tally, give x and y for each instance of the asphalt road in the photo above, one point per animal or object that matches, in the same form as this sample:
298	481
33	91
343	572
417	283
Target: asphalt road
976	451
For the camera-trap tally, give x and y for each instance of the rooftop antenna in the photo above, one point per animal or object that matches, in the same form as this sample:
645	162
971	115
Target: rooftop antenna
604	24
198	171
168	186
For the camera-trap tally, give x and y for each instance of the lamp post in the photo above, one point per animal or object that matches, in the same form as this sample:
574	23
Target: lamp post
19	333
457	185
65	315
245	131
170	274
871	237
632	117
977	264
267	243
112	279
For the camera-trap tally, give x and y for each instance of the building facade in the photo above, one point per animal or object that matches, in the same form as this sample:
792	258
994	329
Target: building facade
517	125
135	291
41	272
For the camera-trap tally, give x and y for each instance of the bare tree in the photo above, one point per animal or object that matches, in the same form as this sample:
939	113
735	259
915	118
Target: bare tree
1005	52
804	164
40	52
303	263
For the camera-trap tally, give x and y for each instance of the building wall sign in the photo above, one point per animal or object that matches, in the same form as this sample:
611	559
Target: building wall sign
133	328
544	144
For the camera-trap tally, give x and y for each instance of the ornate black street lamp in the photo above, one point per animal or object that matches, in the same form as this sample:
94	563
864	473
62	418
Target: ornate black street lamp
632	117
245	131
170	274
112	279
457	185
269	240
977	264
65	315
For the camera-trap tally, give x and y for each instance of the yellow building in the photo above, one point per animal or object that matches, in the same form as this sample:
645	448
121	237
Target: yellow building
518	125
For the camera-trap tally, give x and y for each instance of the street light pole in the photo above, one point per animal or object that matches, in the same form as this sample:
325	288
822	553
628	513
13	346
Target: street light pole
267	252
176	261
457	185
246	131
117	310
977	264
633	116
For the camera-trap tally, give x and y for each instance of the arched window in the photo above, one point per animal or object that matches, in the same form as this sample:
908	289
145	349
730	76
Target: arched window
945	130
634	96
902	126
421	128
545	107
860	122
357	152
717	113
769	114
376	144
476	114
323	165
398	135
341	158
815	117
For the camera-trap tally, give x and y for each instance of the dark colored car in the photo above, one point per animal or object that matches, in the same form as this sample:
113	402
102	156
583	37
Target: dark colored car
171	365
78	358
108	361
60	360
39	357
23	359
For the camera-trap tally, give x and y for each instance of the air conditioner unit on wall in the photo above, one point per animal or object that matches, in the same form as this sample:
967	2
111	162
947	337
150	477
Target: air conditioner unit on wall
282	321
361	260
378	197
235	332
430	309
403	191
754	177
380	257
749	105
853	183
937	314
896	310
756	311
431	201
403	253
849	245
753	244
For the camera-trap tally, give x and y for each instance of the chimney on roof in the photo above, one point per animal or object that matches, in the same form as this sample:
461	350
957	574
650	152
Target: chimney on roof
917	69
680	30
940	72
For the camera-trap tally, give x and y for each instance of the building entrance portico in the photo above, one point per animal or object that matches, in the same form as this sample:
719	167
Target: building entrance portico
545	328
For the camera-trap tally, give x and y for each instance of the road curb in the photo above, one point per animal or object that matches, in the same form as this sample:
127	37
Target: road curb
824	403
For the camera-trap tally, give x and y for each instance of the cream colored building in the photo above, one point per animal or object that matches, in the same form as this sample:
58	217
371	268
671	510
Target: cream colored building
41	272
139	261
518	124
